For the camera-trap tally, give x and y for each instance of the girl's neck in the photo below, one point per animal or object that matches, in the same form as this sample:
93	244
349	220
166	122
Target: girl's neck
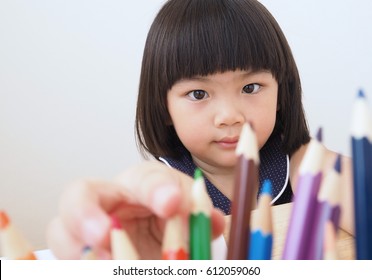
222	178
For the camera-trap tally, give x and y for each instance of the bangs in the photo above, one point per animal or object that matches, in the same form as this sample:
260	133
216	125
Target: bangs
209	37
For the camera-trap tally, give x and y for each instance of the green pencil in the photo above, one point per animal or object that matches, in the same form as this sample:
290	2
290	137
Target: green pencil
200	221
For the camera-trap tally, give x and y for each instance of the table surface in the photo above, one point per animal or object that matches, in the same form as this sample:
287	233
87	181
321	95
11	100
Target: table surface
281	215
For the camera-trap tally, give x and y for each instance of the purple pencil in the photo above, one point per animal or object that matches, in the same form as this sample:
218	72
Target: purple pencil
327	209
302	216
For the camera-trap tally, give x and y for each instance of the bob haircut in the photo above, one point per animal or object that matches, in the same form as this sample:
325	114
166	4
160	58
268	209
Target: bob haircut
201	37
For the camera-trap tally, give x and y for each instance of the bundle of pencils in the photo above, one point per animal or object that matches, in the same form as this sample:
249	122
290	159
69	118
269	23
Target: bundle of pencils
14	245
361	141
245	189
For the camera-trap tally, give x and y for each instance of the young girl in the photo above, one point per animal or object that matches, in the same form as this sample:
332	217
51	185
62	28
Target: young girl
208	67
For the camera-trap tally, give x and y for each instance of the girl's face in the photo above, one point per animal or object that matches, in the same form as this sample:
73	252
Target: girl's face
208	113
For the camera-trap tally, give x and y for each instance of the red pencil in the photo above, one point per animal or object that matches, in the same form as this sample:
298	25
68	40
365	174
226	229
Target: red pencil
121	245
174	243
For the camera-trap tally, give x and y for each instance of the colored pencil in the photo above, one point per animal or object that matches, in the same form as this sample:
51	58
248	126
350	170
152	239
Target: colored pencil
174	243
361	142
301	223
327	208
329	242
261	242
245	188
121	245
200	220
13	244
88	254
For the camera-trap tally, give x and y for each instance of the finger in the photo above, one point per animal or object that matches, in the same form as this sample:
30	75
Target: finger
62	244
218	223
84	208
165	191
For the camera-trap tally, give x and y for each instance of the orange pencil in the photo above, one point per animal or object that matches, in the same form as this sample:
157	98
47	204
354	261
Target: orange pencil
121	245
246	186
174	243
14	245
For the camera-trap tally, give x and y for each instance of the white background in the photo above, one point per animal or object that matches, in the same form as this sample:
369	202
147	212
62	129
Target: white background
69	75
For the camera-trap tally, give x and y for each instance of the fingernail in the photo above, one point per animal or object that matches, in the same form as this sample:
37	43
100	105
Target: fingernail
93	231
164	200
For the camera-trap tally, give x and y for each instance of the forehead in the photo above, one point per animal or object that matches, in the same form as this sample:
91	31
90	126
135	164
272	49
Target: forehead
228	76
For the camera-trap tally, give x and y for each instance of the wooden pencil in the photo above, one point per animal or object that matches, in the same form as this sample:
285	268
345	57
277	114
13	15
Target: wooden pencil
301	222
244	197
174	243
200	220
330	242
261	242
13	244
361	142
88	254
121	245
327	208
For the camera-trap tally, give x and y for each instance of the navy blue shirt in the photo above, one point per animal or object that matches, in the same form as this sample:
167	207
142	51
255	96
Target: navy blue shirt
274	165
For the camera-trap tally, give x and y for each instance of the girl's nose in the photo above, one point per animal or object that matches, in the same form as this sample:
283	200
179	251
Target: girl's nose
229	113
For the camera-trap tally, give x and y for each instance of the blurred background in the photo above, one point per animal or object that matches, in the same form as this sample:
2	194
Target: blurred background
69	74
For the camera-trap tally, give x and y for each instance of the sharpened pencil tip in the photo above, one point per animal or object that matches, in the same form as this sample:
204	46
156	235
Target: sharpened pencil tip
338	164
319	134
266	187
198	173
361	94
115	222
4	220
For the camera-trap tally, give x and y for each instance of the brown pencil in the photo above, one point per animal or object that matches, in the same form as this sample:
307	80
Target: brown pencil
245	189
14	245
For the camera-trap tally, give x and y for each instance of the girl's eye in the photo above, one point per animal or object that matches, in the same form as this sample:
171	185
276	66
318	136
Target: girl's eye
251	88
197	94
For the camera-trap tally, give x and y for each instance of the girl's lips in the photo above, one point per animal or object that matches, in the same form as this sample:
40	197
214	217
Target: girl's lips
228	143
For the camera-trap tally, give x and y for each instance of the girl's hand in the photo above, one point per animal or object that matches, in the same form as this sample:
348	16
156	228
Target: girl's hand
143	197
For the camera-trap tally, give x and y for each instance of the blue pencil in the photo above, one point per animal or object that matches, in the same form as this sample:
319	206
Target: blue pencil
261	241
362	176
